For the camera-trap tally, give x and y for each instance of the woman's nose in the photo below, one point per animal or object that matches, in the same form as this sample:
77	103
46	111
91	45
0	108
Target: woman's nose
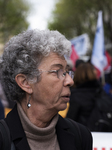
68	81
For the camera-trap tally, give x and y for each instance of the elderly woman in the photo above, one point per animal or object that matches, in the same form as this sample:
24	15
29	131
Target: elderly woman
35	75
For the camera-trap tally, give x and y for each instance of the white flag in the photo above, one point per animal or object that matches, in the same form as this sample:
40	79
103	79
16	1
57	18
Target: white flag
81	44
98	58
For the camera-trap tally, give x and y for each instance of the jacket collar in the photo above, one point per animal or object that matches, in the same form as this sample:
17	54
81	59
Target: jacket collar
65	138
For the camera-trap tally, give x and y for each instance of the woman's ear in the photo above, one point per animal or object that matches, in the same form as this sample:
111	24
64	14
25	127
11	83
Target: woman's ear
23	83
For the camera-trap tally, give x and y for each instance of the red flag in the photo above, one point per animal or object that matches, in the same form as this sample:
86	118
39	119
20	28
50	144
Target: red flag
108	66
98	73
74	56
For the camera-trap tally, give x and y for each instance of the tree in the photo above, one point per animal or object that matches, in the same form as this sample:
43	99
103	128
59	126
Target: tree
12	18
75	17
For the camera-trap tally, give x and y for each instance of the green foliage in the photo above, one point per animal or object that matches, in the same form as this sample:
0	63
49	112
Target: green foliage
75	17
12	18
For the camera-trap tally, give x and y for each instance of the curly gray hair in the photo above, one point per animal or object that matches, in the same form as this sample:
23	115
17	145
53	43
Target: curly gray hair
23	54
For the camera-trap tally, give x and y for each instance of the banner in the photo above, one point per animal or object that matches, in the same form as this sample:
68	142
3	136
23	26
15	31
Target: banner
102	140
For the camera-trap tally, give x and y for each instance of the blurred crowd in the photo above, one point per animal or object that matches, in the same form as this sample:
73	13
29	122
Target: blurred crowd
5	104
90	101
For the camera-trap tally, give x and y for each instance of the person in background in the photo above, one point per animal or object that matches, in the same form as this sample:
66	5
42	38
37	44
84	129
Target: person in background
78	62
88	100
35	75
3	102
108	83
6	105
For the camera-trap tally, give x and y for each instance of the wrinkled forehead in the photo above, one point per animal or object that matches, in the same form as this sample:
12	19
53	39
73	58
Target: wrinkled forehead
52	61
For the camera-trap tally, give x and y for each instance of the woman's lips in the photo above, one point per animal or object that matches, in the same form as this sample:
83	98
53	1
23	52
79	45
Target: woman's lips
66	98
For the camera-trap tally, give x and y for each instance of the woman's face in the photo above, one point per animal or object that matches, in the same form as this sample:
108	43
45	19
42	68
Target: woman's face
52	93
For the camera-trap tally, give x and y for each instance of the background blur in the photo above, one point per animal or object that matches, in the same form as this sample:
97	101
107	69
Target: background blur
72	18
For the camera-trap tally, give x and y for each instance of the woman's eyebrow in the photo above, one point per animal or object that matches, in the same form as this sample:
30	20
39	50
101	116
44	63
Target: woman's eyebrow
57	65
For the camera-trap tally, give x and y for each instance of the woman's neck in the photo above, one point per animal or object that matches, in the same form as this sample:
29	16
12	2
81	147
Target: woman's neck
38	115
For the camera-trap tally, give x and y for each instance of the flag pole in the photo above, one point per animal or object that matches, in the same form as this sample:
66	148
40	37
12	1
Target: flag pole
103	78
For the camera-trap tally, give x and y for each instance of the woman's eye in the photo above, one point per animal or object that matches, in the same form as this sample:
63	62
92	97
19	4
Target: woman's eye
54	71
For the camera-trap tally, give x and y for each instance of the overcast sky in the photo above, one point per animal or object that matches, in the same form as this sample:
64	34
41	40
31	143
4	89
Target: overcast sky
40	13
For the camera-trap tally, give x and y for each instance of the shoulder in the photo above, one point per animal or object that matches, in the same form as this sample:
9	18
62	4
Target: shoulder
74	134
86	136
83	133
